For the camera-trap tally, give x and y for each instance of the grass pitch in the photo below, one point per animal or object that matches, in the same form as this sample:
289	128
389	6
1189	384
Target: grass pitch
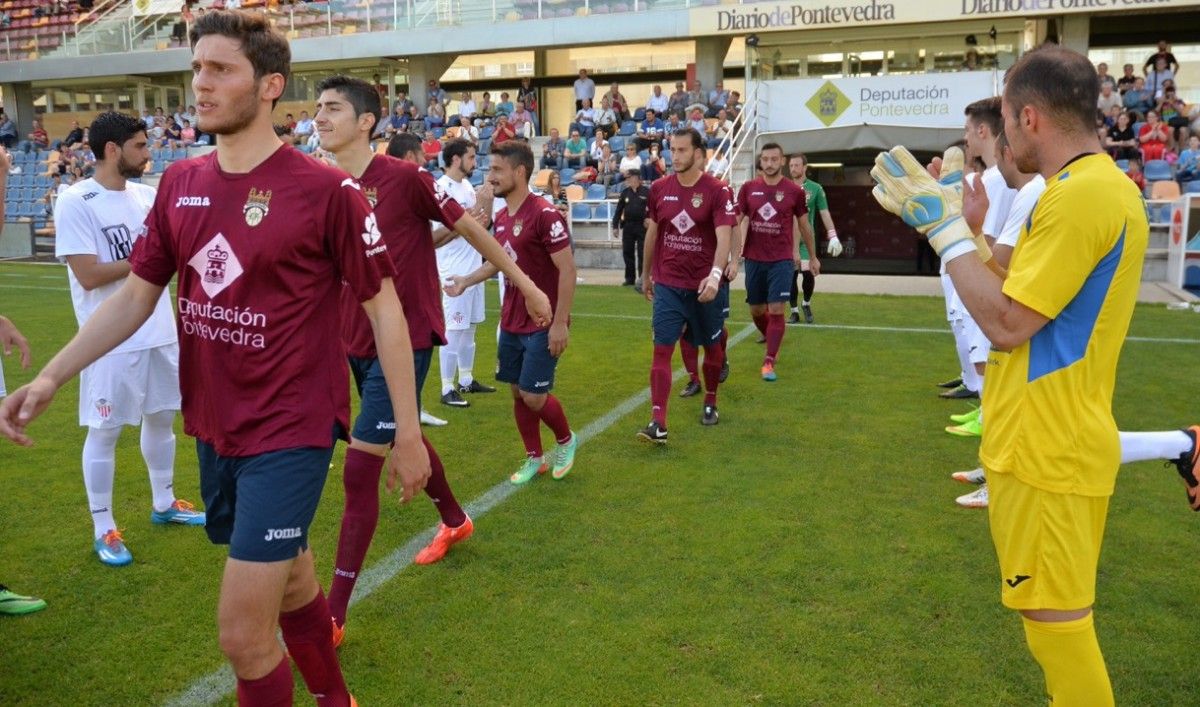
805	551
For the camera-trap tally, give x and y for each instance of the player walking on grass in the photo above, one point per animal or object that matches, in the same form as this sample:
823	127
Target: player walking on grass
97	221
771	207
534	233
816	203
405	199
694	213
11	603
261	238
1057	323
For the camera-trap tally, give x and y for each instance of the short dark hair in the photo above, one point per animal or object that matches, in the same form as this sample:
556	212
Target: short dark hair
771	146
402	144
361	95
111	126
455	148
265	47
517	154
801	155
1057	80
987	111
692	134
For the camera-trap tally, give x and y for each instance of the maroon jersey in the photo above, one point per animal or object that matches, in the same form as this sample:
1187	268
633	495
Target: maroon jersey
772	211
687	219
261	258
530	237
406	198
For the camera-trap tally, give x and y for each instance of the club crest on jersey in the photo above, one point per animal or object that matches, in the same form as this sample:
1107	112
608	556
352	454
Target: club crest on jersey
516	229
697	200
257	206
372	195
104	408
779	195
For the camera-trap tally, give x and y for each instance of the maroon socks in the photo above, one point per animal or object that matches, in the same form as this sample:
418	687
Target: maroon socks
359	518
309	638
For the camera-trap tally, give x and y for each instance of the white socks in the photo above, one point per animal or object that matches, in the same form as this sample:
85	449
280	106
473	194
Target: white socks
158	450
457	355
1146	446
99	450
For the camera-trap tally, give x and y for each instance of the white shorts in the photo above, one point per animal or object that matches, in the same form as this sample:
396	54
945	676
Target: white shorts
464	311
978	345
3	392
120	388
954	308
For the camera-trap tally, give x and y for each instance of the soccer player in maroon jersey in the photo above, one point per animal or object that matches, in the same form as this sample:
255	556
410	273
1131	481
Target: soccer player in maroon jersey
262	238
693	214
534	233
770	207
406	199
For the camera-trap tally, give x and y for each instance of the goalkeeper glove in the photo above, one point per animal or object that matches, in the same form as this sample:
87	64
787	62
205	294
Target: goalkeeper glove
834	247
903	187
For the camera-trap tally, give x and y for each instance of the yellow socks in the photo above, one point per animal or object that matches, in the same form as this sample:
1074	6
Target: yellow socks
1070	658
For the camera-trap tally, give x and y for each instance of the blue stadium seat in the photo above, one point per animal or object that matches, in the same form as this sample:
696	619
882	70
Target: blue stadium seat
639	115
485	146
617	143
1137	127
1157	171
439	133
1192	187
581	212
628	127
43	182
567	174
602	213
482	160
595	192
1123	165
437	174
179	153
477	178
156	154
485	133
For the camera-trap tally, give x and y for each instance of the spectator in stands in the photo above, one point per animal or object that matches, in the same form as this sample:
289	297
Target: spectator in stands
74	139
576	150
5	19
303	130
552	151
37	136
1163	53
1188	167
504	131
522	121
606	166
158	134
631	161
380	88
416	123
654	166
1153	137
432	147
528	95
1138	99
596	151
678	101
1174	112
1157	78
696	121
147	118
395	123
435	92
606	118
180	29
651	131
674	124
697	98
173	135
403	102
1111	119
1126	81
1135	173
616	102
8	132
435	114
722	127
555	193
585	120
505	106
467	108
1104	77
1108	98
187	133
467	130
487	109
734	107
718	165
585	89
658	101
289	122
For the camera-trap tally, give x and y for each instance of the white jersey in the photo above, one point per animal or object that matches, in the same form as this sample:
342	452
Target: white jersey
91	220
1022	206
458	257
1000	199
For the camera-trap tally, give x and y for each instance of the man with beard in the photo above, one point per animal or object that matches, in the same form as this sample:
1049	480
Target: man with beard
98	220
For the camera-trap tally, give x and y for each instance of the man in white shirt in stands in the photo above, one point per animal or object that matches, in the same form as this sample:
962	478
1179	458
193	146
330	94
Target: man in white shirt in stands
585	89
658	101
456	256
97	222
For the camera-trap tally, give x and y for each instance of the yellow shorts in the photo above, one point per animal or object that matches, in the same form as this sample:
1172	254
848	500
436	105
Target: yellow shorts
1048	544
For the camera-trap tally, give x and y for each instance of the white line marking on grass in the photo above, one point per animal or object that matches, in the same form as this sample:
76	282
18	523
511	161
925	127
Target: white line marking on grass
220	683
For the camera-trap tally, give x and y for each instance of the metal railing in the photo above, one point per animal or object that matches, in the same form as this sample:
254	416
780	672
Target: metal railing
746	129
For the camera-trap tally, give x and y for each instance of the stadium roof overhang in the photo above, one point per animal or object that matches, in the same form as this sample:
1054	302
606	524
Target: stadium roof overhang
849	138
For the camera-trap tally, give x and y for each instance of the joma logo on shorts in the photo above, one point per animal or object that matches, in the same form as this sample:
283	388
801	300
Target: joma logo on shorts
385	425
282	534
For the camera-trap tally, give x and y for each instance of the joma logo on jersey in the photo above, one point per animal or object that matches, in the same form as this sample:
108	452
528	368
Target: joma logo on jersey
192	201
282	534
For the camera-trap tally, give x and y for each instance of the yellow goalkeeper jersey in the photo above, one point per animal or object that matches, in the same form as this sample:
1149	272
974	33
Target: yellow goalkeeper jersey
1048	402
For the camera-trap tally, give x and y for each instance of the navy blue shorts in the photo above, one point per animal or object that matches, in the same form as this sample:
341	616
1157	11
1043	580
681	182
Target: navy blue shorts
376	421
261	506
674	307
525	359
768	282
